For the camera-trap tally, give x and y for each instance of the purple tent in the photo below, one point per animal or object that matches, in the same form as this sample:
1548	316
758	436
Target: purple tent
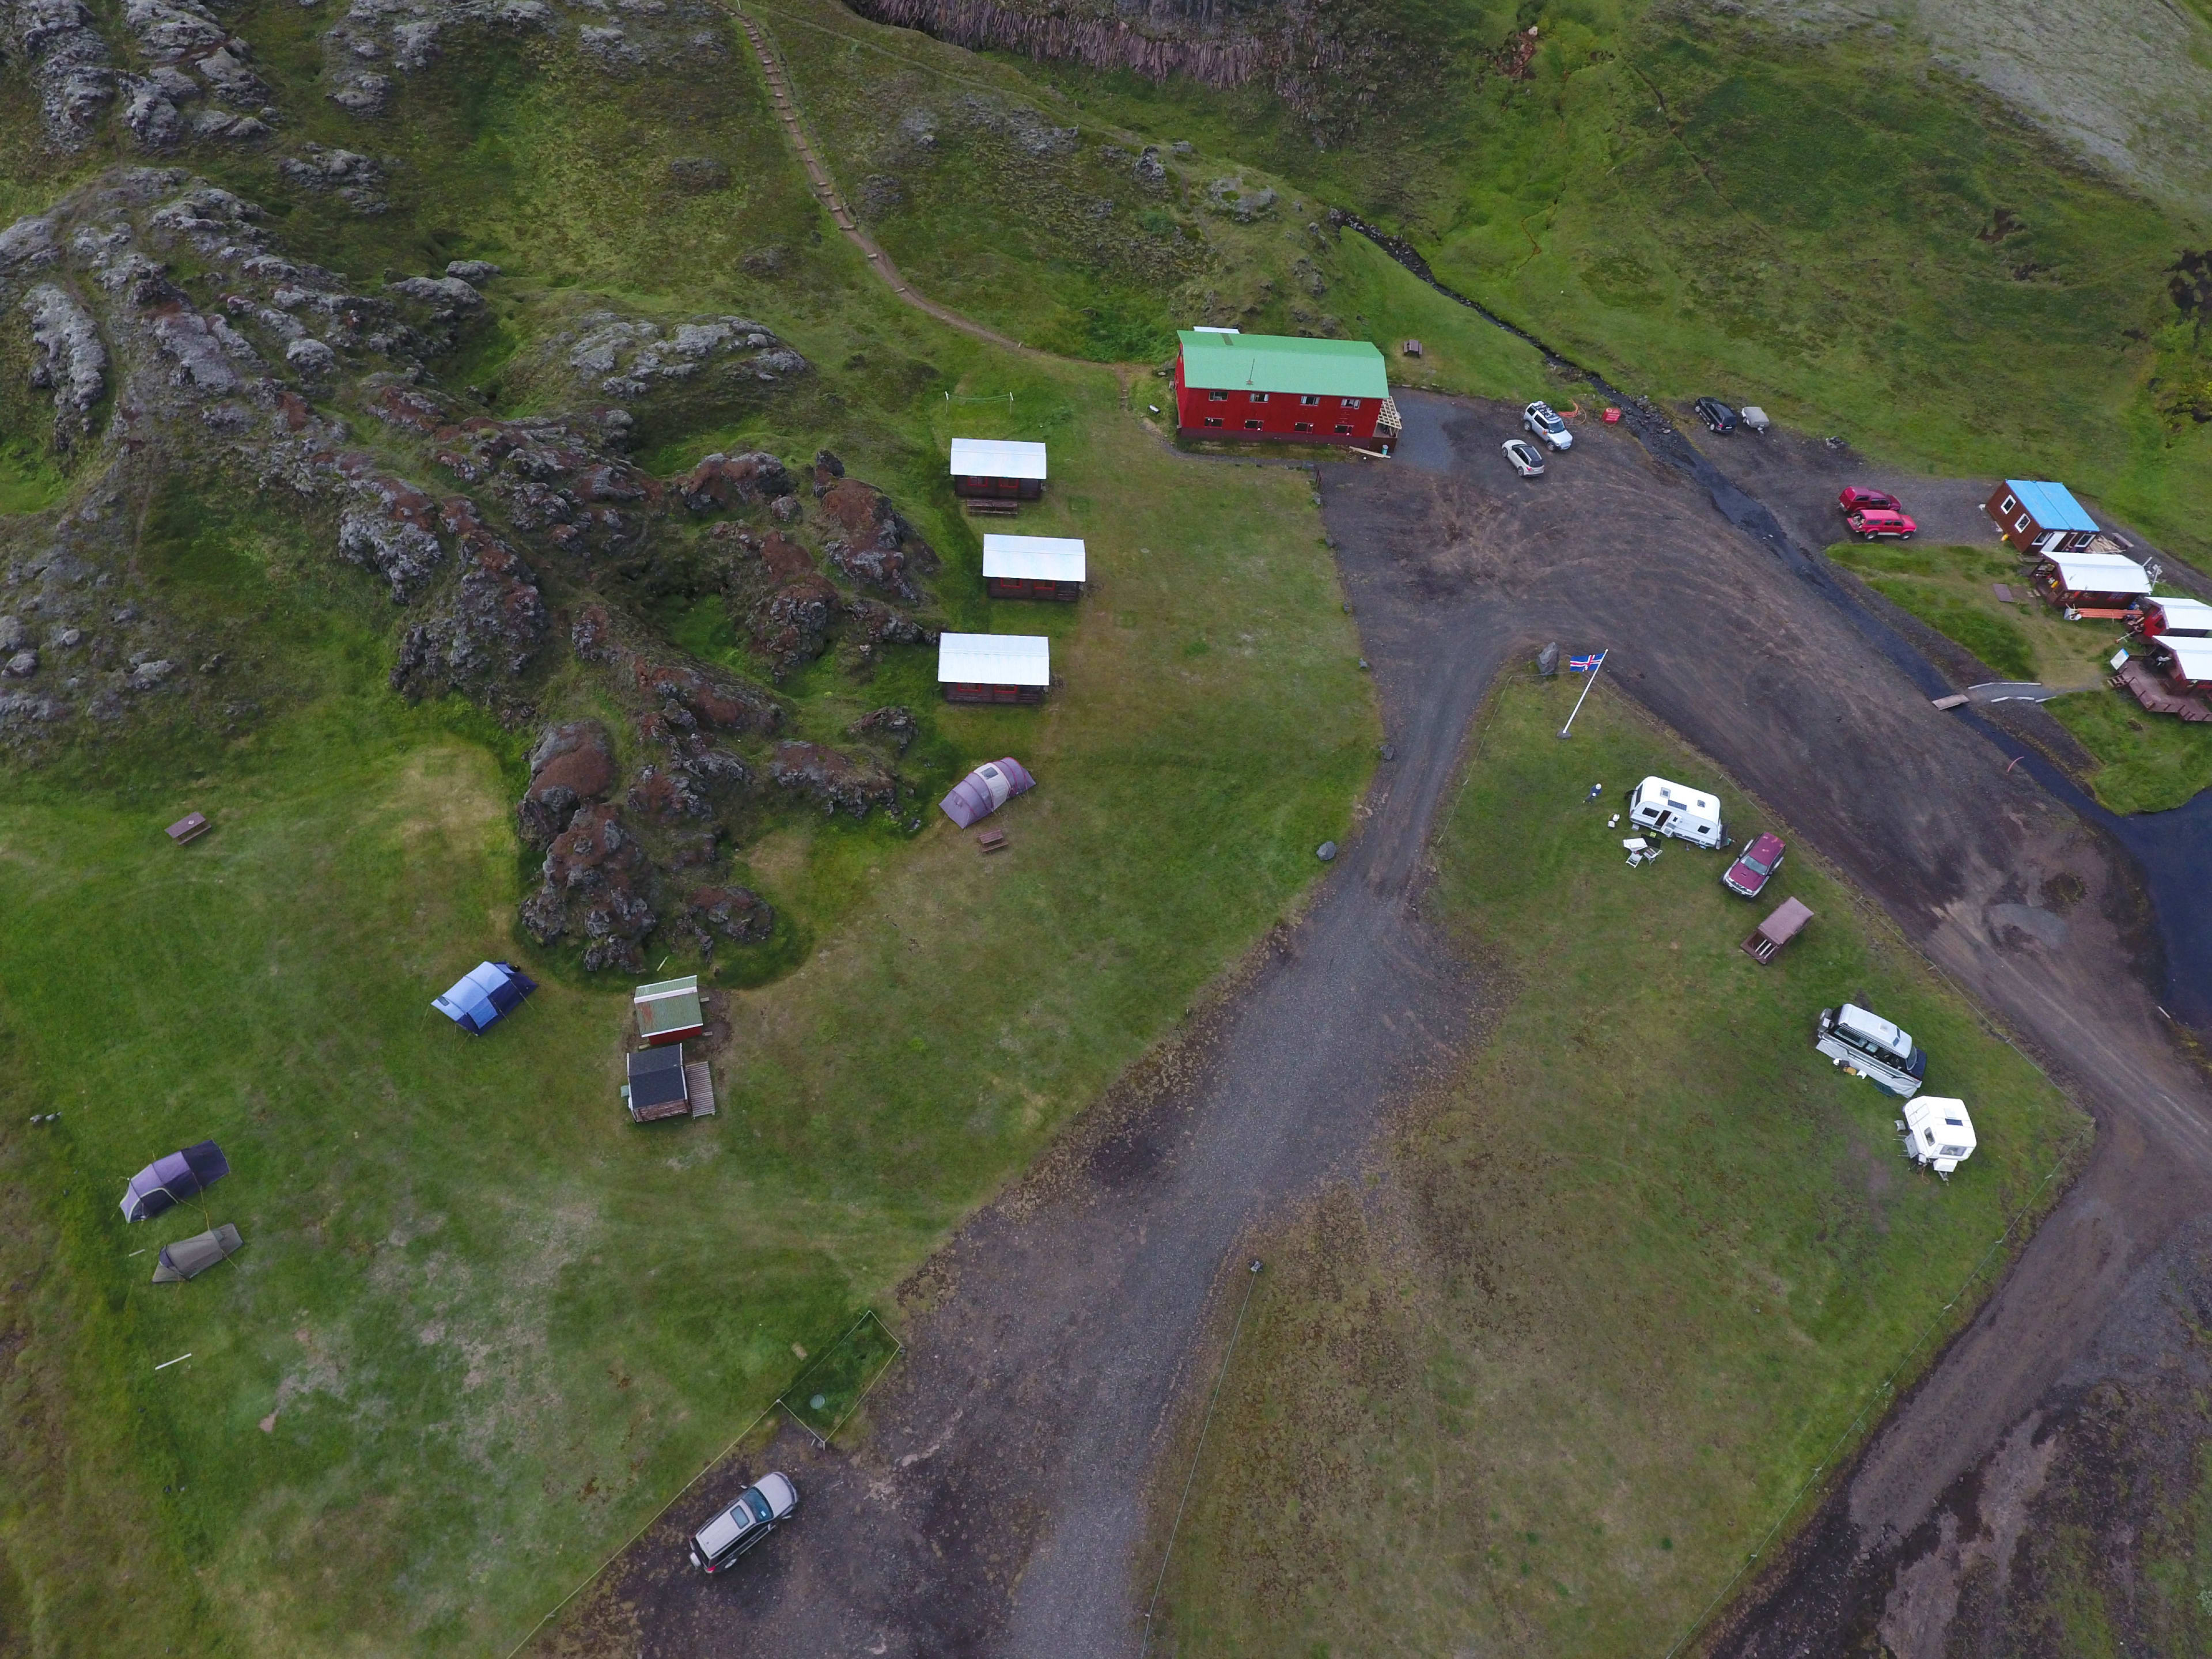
985	790
167	1181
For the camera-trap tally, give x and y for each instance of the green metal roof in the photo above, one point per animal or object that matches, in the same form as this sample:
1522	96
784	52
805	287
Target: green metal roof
1279	362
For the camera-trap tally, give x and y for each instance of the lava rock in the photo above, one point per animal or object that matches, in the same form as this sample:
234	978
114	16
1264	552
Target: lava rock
837	781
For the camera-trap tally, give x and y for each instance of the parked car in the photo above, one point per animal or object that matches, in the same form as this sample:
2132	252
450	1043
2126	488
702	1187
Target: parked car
759	1510
1754	866
1524	458
1715	414
1873	523
1854	498
1542	420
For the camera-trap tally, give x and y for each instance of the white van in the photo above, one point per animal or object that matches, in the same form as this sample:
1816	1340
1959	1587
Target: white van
1866	1045
1674	809
1938	1133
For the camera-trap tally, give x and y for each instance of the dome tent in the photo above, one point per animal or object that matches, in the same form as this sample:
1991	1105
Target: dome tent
483	995
170	1180
985	790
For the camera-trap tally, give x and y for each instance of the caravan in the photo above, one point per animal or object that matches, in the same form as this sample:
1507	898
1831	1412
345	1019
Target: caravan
1938	1134
1866	1045
1672	809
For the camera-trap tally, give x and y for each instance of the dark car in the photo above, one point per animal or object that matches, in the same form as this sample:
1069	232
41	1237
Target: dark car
759	1510
1717	414
1754	866
1856	499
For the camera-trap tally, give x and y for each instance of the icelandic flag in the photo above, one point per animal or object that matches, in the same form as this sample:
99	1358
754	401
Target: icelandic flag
1584	665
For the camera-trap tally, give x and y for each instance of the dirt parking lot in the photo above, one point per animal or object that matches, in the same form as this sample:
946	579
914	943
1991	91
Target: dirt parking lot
999	1506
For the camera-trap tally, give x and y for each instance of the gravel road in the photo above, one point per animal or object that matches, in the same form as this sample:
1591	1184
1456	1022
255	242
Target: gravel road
1000	1506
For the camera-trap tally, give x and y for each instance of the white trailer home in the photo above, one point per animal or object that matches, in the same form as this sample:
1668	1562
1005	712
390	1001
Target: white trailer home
1674	809
1866	1045
1937	1132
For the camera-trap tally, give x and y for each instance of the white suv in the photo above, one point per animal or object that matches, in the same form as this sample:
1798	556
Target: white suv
1547	426
759	1510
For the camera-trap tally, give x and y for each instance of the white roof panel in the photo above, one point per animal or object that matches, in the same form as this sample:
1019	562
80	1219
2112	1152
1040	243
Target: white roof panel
2193	657
996	458
1033	558
993	660
2186	615
2100	573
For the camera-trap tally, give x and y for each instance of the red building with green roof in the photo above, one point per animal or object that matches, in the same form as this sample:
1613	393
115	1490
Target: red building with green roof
1274	387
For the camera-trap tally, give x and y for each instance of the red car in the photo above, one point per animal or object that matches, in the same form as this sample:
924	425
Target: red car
1754	866
1854	498
1873	523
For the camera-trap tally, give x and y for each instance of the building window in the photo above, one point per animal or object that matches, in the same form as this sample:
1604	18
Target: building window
1217	397
1303	426
1214	420
1257	396
1310	399
1348	403
2021	523
1343	429
1251	426
2009	503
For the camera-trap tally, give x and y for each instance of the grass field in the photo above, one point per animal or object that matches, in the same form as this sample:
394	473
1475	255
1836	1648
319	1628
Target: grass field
1542	1377
2150	762
482	1325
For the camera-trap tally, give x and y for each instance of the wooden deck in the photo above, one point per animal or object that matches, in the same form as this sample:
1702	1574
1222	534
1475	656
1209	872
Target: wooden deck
2136	678
699	1084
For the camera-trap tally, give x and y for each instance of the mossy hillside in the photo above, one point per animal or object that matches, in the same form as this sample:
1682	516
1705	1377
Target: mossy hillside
1639	1269
1832	228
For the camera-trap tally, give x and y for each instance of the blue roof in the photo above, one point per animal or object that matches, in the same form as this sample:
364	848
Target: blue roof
483	995
2052	505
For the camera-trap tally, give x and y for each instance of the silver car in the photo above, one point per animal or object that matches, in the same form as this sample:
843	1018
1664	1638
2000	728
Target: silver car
759	1510
1542	420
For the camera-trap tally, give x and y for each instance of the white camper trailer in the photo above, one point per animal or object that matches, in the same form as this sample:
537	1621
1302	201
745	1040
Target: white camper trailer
1672	808
1937	1132
1866	1045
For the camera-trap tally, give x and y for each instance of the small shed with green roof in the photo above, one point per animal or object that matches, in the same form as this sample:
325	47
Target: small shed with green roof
669	1011
1281	388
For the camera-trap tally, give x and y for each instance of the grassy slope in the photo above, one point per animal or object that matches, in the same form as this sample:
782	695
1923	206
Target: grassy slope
1539	1382
2151	763
1810	227
983	223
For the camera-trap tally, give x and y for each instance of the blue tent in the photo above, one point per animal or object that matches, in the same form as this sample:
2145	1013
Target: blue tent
485	993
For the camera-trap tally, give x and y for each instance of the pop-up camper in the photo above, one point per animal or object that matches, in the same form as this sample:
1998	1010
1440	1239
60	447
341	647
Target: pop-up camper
1868	1046
1674	809
1938	1133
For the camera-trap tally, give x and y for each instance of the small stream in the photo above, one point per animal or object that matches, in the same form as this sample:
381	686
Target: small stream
2172	850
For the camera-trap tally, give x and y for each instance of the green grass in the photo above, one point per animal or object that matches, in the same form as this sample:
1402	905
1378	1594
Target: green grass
1950	589
472	1296
2147	762
1696	203
1540	1380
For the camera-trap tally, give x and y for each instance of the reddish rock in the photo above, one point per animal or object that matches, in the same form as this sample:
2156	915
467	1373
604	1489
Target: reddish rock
725	481
835	781
571	765
734	913
731	707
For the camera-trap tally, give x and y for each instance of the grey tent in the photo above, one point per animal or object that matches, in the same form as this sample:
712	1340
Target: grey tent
188	1258
172	1179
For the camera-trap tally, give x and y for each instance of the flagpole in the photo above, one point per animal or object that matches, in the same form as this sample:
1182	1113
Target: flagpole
1596	669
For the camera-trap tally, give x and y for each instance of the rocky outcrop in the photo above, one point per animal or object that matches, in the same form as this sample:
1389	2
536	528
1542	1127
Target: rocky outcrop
894	724
354	179
605	354
834	780
735	914
69	67
690	700
68	359
721	481
573	765
592	875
